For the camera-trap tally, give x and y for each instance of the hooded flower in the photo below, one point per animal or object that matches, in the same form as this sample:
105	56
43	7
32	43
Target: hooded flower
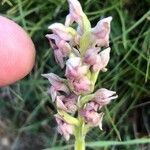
92	118
58	84
90	55
65	33
67	103
90	114
61	48
104	96
76	75
76	13
100	33
63	127
98	61
75	69
81	86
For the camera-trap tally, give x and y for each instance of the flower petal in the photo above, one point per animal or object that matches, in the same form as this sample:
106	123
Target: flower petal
75	9
100	120
65	33
59	58
53	92
82	85
104	96
105	56
101	32
69	20
63	127
57	82
60	104
91	55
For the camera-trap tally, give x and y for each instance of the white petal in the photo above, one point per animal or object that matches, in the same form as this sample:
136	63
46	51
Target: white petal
53	93
69	20
61	31
103	24
105	56
60	104
73	62
100	121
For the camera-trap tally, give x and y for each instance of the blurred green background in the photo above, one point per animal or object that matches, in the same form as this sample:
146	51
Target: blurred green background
26	111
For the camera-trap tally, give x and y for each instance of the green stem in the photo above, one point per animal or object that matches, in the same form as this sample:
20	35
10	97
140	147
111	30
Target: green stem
79	139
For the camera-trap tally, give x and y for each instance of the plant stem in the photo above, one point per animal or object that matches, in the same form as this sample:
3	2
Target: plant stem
80	131
79	139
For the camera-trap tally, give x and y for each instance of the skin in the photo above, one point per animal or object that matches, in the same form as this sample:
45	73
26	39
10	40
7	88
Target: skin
17	52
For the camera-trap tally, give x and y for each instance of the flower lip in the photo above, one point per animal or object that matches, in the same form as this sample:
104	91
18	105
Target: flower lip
114	96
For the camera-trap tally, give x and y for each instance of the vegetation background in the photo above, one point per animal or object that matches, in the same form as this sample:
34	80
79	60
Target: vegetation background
26	111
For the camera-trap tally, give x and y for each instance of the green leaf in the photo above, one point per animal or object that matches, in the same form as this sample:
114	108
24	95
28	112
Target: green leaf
84	42
68	118
86	99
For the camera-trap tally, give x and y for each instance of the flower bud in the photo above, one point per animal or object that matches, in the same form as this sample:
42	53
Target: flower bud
104	96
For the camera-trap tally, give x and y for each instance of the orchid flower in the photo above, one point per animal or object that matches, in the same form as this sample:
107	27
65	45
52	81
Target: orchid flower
63	127
76	75
100	33
65	33
75	69
61	48
98	61
58	84
67	103
104	96
91	116
75	14
81	86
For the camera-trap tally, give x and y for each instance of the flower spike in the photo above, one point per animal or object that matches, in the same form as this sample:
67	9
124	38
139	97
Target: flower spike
82	53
